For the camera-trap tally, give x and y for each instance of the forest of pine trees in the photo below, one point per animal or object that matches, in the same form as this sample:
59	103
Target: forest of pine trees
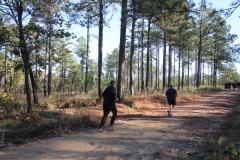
175	42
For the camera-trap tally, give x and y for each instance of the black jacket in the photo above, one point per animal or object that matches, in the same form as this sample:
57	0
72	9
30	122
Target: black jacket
171	94
109	95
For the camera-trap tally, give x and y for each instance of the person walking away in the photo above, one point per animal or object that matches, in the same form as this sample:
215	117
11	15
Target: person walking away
171	94
109	95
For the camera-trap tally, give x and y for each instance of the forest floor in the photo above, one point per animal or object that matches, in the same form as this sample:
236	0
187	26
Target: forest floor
143	132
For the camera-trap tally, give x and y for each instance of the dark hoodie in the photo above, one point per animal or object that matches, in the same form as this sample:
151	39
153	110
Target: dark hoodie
109	95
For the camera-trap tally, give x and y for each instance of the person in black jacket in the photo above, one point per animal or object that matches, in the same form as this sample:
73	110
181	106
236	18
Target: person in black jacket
171	94
109	95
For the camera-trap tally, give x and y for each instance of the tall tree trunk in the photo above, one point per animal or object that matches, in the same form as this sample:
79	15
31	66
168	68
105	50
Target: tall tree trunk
179	67
36	69
203	74
11	73
50	61
138	71
170	66
131	87
100	45
25	56
45	69
142	57
158	51
151	67
164	59
157	67
199	57
122	51
87	55
174	67
34	87
183	66
6	74
214	66
188	79
82	74
148	54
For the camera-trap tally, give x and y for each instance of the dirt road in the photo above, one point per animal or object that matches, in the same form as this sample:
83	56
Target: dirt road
139	137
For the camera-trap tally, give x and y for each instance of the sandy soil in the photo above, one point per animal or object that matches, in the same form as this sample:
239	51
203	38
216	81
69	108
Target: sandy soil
148	136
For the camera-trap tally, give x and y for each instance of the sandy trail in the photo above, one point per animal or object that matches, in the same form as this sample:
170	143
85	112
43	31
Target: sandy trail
139	137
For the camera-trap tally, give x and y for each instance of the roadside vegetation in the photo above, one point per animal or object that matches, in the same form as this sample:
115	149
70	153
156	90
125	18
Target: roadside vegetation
226	144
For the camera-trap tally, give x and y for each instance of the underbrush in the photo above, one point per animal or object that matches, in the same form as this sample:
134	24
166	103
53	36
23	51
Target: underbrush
43	124
8	106
225	145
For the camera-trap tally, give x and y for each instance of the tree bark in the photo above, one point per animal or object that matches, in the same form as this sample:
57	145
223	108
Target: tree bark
179	67
157	68
50	62
183	66
6	74
164	60
100	45
86	71
199	57
131	87
120	87
25	56
142	58
45	69
188	70
148	54
170	66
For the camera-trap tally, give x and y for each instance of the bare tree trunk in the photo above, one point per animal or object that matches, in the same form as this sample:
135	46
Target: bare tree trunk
138	86
50	62
131	87
151	68
158	51
157	67
100	45
179	68
148	54
183	66
203	76
164	60
142	58
199	57
174	67
120	88
188	79
214	66
170	66
86	71
6	74
34	87
25	56
11	73
36	69
45	69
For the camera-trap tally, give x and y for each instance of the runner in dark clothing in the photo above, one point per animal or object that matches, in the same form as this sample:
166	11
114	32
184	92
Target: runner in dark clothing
109	95
171	94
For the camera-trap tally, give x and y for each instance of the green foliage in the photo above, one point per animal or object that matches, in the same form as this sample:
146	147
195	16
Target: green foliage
9	123
8	106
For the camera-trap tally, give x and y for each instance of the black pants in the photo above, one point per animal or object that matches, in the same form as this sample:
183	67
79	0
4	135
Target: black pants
106	111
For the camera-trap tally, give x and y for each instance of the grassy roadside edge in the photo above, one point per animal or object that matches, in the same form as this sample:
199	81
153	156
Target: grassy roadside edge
225	145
